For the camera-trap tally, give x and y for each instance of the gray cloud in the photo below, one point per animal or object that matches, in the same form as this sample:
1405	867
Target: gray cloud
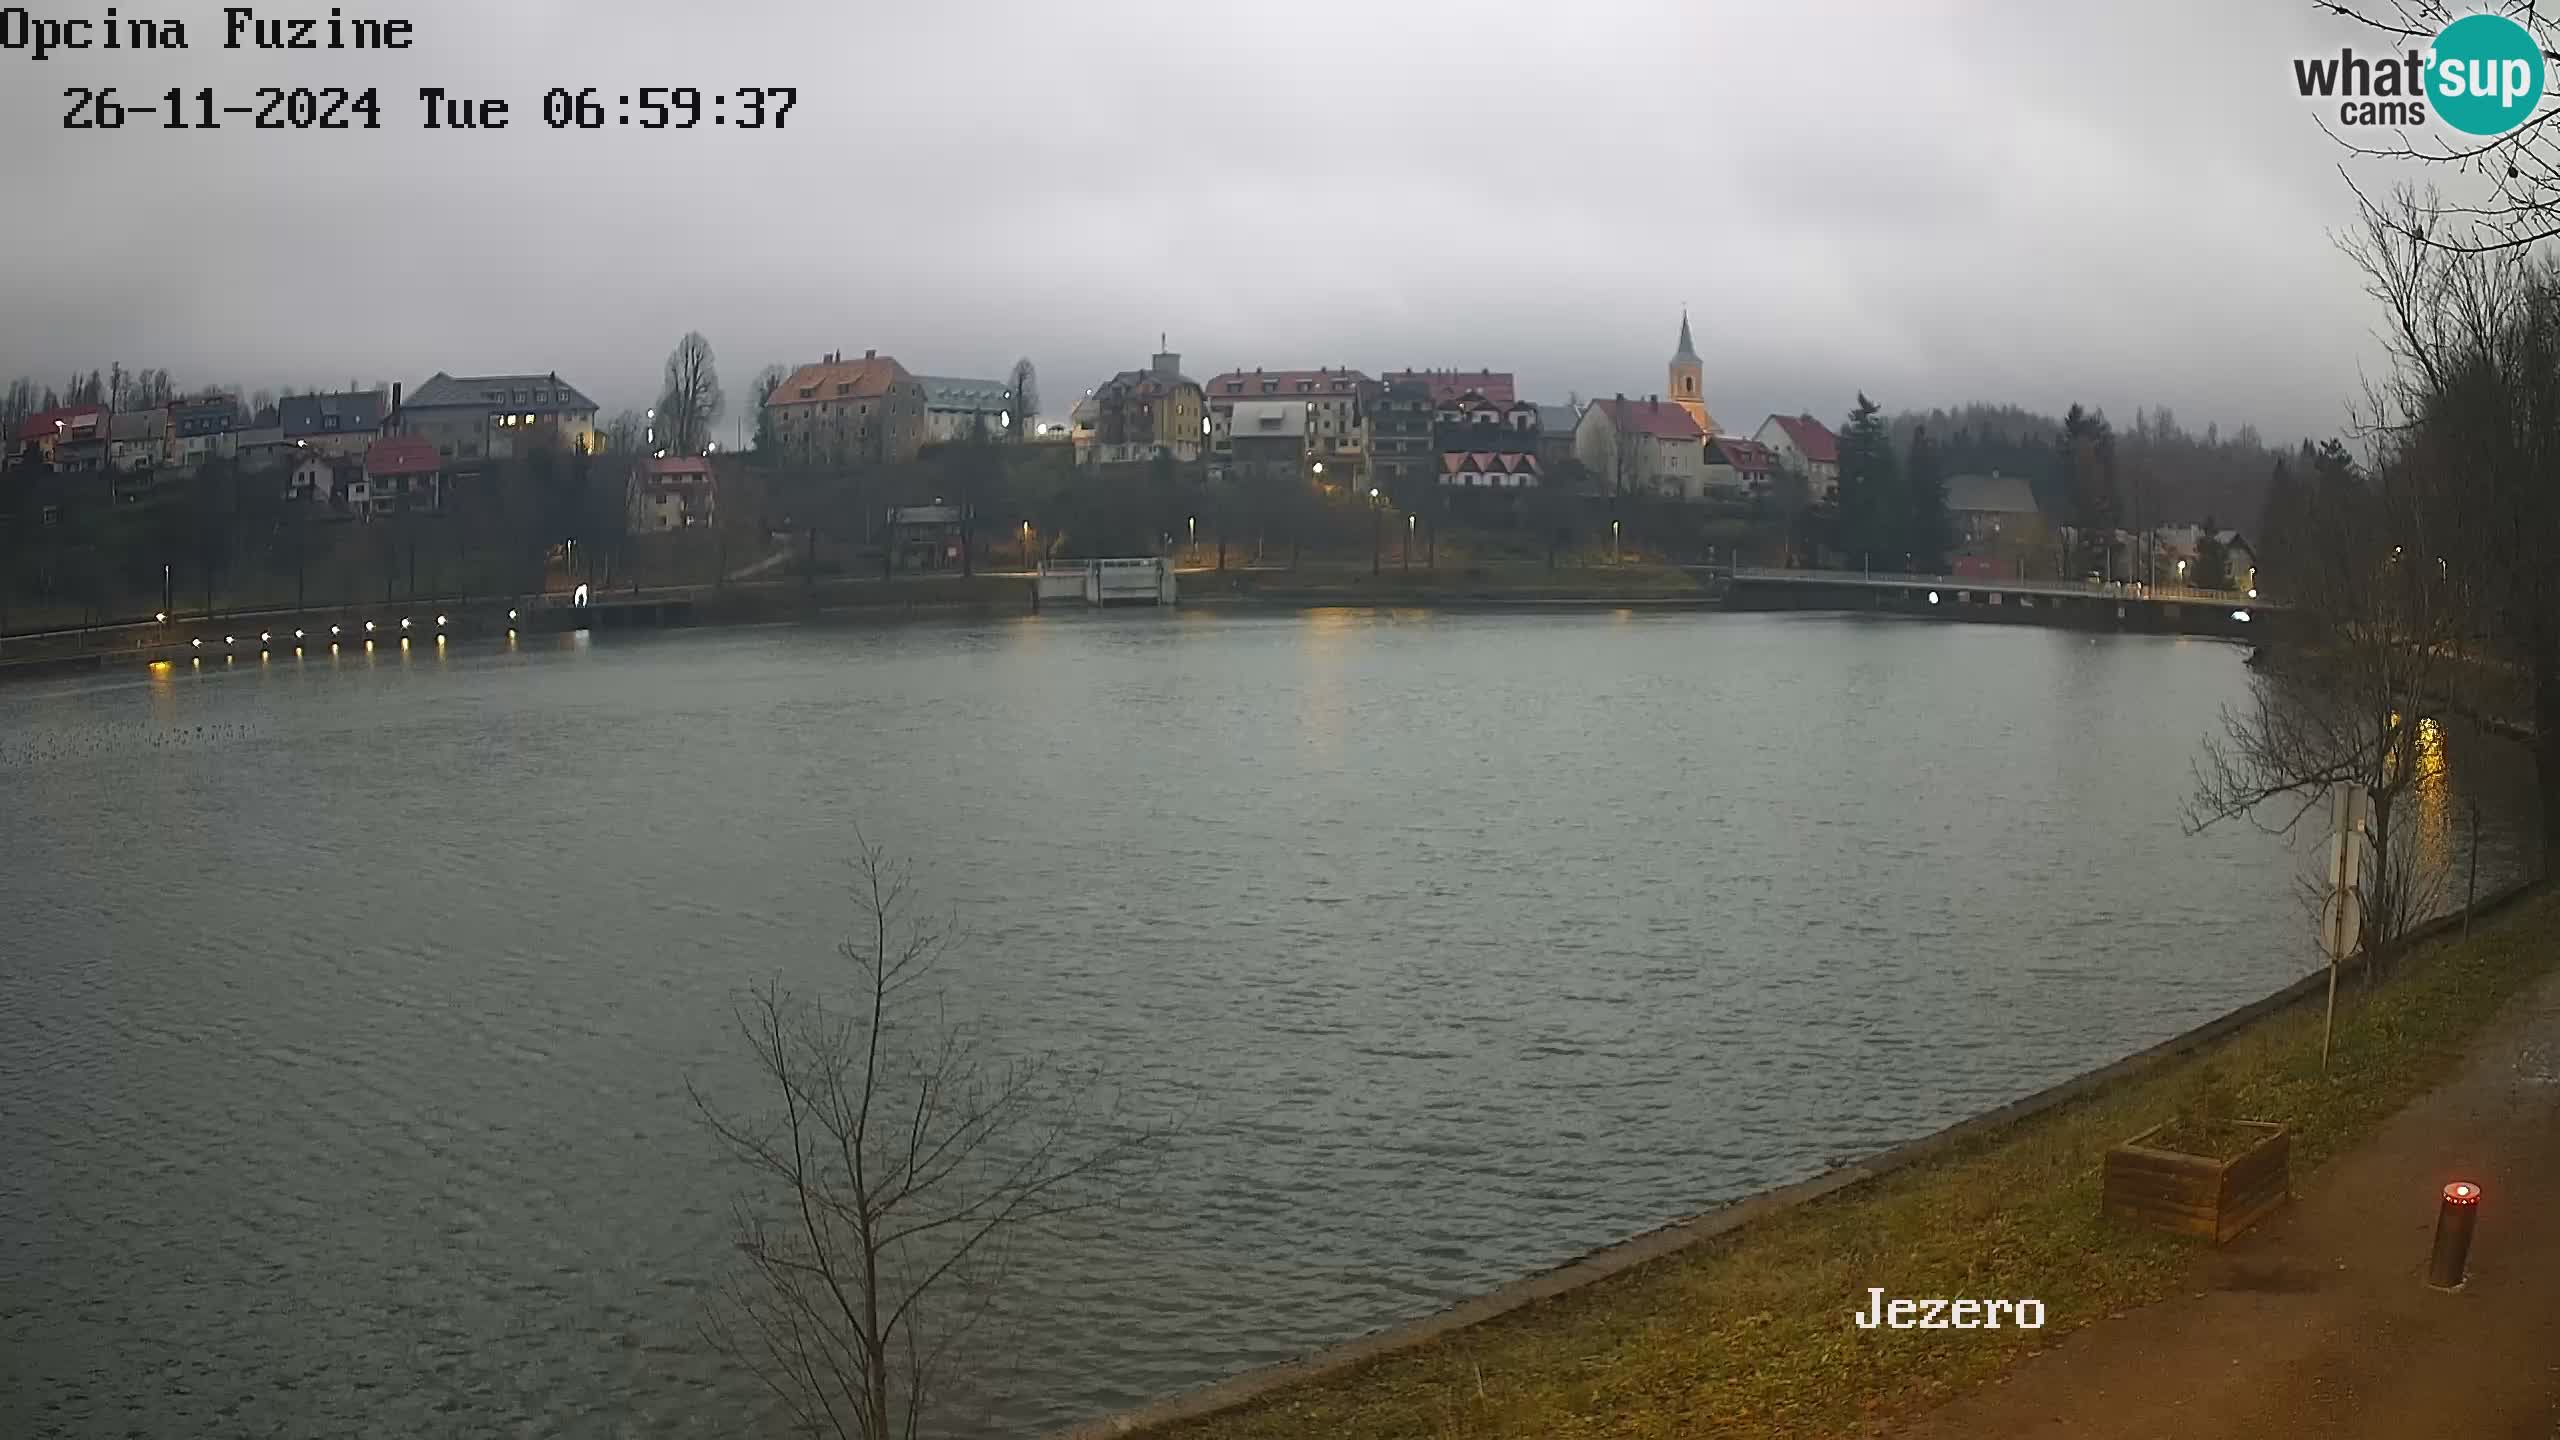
1935	202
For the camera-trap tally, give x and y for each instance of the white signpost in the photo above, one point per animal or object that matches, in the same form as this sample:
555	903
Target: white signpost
2342	914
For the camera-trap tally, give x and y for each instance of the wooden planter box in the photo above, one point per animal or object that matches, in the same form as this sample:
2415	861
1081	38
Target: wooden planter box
2193	1195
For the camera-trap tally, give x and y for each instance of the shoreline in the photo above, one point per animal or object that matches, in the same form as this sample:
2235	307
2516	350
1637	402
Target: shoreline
739	606
1737	1221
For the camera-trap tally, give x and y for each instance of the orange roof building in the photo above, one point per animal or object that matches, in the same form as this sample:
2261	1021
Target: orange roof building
842	412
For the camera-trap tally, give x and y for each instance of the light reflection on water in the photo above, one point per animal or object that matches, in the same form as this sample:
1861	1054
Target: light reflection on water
342	1062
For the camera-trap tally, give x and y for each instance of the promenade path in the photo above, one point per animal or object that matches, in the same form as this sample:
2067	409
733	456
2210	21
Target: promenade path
2320	1323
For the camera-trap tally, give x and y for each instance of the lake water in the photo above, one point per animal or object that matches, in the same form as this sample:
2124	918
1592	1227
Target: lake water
347	1004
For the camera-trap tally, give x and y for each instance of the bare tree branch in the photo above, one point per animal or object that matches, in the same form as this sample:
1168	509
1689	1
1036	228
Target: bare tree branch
904	1160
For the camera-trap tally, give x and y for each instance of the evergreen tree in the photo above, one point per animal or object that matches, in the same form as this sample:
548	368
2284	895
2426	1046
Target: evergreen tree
2280	522
2089	483
1925	527
1872	513
2213	559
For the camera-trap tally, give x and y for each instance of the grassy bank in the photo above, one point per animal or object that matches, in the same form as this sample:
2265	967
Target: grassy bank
1750	1335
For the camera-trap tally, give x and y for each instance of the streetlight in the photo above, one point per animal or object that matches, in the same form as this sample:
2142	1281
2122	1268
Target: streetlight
1377	518
1409	520
1613	540
1195	532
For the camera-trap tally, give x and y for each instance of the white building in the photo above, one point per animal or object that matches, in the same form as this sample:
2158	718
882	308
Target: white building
956	409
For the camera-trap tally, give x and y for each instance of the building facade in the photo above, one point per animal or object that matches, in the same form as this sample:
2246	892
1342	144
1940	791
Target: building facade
961	409
1556	424
1405	456
138	440
318	479
1808	447
849	412
672	492
1642	447
1485	442
62	439
401	472
1265	438
1737	467
1336	404
472	419
1141	414
1497	387
204	429
339	425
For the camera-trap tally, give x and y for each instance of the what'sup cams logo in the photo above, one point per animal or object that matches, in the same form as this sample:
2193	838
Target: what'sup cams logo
2484	75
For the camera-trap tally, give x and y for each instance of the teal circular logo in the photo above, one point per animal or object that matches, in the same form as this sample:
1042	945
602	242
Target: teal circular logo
2484	76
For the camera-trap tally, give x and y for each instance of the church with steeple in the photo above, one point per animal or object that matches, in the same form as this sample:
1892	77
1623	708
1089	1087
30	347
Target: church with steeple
1688	381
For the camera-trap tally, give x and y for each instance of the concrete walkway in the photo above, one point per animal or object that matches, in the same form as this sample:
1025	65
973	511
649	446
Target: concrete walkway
2320	1322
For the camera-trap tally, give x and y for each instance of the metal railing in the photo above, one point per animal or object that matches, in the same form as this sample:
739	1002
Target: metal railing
1895	580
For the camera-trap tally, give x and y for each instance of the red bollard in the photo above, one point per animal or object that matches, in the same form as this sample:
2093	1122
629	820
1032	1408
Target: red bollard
2454	1222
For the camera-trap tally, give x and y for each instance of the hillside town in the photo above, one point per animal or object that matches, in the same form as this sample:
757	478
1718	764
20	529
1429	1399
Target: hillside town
1449	448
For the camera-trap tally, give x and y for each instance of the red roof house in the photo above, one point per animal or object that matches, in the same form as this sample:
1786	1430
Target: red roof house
1651	417
398	455
1810	438
1495	386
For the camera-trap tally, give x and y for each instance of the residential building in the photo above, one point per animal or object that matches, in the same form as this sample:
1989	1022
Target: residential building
62	439
1807	446
1337	413
1735	466
2241	559
1642	447
401	472
138	440
1556	424
849	412
925	537
472	419
339	425
263	447
319	478
1688	381
206	428
1265	438
1080	423
1496	386
956	409
1141	414
1405	457
1997	529
1488	469
1484	441
672	492
1983	508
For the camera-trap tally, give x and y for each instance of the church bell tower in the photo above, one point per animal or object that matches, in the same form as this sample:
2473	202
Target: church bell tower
1688	380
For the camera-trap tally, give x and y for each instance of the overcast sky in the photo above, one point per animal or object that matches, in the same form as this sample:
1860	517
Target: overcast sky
1932	200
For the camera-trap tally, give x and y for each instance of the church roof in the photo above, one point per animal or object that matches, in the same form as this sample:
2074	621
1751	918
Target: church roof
1688	349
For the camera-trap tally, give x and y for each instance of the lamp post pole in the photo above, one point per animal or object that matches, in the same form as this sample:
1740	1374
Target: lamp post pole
1377	538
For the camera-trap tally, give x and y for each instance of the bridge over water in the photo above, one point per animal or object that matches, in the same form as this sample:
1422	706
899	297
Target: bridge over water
2086	605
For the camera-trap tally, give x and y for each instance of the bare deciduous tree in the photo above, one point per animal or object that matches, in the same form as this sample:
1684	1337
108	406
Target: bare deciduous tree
767	443
2347	699
2474	338
2515	176
893	1162
690	402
